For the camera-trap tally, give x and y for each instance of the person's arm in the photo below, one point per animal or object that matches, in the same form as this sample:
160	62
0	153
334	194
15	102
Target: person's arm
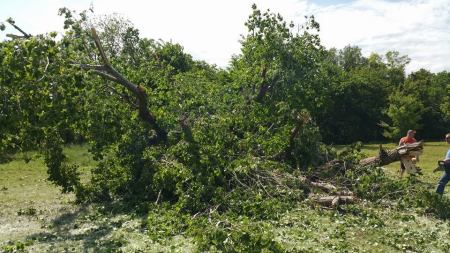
447	157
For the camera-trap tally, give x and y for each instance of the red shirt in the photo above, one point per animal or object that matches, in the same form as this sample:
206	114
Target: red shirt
406	140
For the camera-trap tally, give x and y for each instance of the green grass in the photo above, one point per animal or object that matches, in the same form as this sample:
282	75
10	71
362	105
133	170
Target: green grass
36	217
361	228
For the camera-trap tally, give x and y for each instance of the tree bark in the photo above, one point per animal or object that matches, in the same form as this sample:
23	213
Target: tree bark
264	86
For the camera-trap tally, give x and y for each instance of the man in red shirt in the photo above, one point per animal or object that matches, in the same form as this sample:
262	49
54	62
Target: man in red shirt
408	139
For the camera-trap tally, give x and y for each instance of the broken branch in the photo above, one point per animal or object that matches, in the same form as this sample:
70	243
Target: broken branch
108	72
25	35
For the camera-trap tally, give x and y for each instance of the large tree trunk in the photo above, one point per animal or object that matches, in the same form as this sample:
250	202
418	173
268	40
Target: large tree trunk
387	157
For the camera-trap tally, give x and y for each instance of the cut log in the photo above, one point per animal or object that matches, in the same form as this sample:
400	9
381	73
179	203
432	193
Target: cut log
334	201
326	187
387	157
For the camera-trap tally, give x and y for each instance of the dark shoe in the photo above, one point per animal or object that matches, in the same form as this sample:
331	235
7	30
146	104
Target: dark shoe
419	171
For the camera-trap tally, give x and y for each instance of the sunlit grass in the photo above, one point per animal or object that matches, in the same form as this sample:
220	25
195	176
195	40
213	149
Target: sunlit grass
34	213
24	188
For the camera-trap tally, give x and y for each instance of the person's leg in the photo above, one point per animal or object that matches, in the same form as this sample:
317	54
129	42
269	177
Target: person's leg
402	169
442	182
409	165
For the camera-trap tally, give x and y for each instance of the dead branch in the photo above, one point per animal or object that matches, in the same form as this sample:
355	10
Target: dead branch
45	70
330	169
90	66
158	198
13	36
271	181
13	24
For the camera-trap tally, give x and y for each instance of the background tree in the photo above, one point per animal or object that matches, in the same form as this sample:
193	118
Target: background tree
428	91
405	112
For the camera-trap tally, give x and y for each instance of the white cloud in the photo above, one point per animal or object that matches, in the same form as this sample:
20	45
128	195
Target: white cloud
419	29
210	29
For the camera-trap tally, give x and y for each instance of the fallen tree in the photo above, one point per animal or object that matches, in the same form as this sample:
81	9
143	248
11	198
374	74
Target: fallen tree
212	154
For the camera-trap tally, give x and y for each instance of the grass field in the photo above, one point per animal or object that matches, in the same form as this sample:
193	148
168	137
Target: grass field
36	217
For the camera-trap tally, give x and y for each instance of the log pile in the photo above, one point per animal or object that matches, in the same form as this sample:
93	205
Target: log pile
338	195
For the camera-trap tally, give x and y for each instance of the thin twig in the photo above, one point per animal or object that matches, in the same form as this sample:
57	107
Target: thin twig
45	70
239	181
90	66
105	75
157	199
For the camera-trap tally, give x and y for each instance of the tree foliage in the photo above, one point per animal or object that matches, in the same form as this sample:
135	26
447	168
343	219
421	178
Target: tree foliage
269	111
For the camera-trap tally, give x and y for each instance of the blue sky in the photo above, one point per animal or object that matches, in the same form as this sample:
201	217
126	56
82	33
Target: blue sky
210	29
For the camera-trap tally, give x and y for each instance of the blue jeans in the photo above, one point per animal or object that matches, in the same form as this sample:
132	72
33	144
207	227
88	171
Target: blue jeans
442	182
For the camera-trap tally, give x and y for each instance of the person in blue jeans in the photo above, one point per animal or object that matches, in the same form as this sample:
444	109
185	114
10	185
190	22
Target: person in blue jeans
446	177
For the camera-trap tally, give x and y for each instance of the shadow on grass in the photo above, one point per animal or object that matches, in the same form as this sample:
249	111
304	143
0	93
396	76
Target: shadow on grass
91	227
5	158
69	217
